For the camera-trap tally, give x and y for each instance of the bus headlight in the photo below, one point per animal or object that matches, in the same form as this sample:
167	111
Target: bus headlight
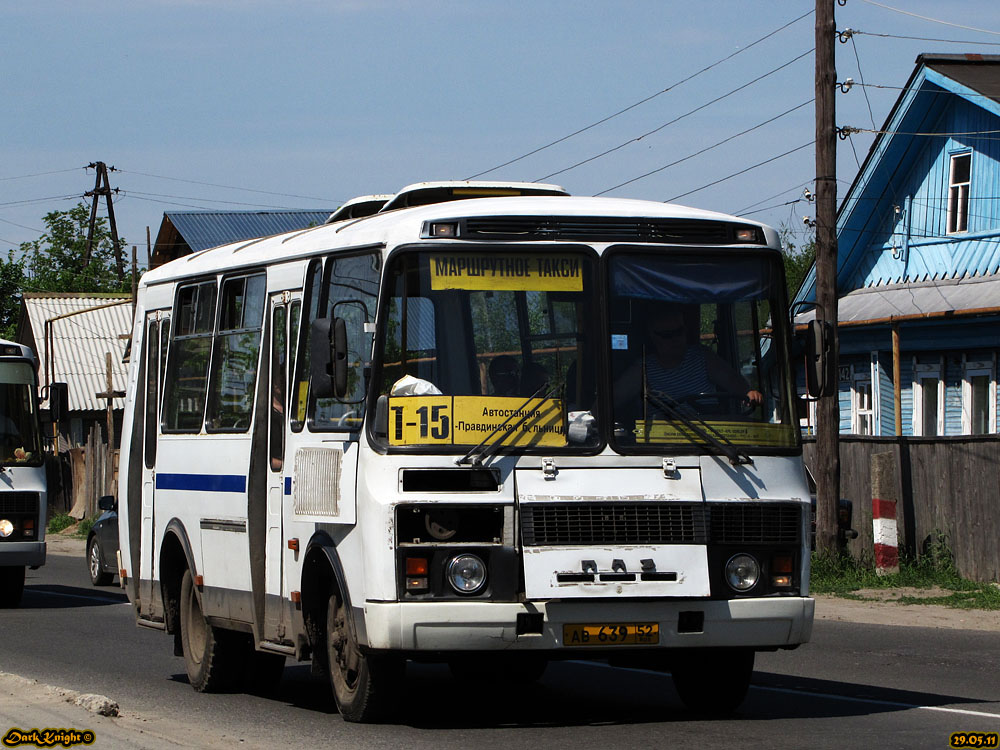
6	528
466	573
742	572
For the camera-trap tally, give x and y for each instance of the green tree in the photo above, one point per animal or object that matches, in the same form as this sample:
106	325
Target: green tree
57	261
11	285
798	260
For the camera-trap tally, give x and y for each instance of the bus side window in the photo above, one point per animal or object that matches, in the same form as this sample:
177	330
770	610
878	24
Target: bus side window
351	291
279	367
185	385
237	347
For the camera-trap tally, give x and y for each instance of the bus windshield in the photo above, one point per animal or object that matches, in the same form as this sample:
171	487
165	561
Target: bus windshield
19	431
489	348
693	358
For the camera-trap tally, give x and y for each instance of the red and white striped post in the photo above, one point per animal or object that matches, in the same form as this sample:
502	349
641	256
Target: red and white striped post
884	528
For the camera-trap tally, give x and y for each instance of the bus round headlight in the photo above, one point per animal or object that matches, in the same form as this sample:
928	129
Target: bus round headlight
466	573
6	528
742	572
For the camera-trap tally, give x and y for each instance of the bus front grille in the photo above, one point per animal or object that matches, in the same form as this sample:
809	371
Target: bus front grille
584	523
19	502
611	523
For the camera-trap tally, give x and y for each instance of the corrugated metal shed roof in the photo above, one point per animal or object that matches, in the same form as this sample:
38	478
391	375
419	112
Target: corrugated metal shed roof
80	343
911	300
204	229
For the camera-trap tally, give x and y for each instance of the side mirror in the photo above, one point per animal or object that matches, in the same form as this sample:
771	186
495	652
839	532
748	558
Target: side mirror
328	357
820	362
107	502
58	401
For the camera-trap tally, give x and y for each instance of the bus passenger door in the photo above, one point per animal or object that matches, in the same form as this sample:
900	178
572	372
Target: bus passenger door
157	335
284	320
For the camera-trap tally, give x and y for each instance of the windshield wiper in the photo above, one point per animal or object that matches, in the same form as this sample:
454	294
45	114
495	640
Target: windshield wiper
477	458
700	427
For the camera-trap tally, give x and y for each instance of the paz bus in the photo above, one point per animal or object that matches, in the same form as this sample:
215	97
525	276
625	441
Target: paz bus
22	472
438	433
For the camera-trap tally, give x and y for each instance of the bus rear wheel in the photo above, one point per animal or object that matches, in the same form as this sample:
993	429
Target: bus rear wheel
210	653
364	685
713	681
11	585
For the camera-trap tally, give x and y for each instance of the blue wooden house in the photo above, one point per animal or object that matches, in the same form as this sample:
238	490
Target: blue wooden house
918	268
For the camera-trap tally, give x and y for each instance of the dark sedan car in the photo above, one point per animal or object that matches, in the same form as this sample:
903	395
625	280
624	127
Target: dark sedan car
102	543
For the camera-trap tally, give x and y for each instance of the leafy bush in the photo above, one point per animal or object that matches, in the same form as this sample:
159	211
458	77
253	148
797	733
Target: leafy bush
59	522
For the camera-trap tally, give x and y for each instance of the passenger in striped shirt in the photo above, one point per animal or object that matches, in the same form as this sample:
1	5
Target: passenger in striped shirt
679	368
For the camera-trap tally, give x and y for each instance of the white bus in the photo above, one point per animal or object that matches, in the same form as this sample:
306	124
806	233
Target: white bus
22	472
458	432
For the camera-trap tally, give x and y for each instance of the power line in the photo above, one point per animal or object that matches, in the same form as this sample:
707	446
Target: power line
677	119
861	75
923	38
40	174
849	130
742	171
742	211
932	20
40	200
707	148
641	101
229	187
137	193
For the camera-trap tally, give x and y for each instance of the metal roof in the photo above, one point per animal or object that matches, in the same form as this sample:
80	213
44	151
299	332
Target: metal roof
204	229
80	343
943	296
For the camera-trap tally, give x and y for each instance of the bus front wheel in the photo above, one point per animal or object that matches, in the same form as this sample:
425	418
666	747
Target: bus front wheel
364	685
713	681
11	585
210	653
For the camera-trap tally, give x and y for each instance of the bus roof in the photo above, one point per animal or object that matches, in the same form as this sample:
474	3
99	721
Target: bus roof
14	349
405	225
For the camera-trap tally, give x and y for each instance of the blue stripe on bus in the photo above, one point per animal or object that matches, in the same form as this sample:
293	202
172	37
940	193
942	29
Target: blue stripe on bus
202	482
288	485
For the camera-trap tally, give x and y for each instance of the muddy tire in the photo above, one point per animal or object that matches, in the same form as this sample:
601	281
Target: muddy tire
365	686
211	654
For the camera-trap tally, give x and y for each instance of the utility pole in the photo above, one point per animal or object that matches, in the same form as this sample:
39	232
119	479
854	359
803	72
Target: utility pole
827	467
102	187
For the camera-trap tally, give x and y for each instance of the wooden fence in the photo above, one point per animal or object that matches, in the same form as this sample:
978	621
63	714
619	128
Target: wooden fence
945	485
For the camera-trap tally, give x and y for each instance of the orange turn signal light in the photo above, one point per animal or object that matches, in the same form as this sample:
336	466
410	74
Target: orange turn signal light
416	566
781	564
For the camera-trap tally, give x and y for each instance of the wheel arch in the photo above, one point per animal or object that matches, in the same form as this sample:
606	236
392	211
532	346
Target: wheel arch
322	574
175	557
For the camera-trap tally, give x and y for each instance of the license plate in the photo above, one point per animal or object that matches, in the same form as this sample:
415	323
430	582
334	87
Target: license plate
612	634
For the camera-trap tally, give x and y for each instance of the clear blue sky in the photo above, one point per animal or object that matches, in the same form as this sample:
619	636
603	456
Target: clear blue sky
306	104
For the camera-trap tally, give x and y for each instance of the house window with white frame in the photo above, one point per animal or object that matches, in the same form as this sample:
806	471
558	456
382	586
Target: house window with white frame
862	404
979	398
928	400
959	181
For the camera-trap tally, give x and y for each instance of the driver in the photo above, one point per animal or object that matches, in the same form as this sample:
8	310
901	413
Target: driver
680	369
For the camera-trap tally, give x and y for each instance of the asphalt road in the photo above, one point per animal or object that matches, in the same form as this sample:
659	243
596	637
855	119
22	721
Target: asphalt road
854	685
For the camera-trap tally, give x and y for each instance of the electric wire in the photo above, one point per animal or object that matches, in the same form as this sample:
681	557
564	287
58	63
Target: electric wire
641	101
923	38
676	119
229	187
707	148
742	171
40	174
932	20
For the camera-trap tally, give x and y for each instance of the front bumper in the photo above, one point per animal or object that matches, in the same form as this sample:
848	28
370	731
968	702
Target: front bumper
31	554
772	622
